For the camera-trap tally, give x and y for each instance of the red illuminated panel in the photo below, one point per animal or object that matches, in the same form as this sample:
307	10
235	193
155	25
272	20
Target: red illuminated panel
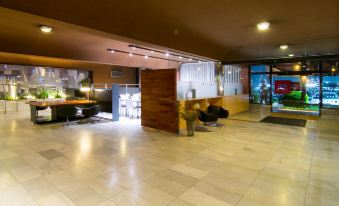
282	87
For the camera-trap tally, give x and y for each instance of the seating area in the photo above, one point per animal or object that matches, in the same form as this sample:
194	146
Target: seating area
130	105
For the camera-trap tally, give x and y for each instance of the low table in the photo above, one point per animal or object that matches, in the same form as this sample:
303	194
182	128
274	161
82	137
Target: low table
54	105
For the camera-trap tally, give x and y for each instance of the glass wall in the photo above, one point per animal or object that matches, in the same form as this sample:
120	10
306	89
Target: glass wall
260	85
18	81
296	93
297	87
330	84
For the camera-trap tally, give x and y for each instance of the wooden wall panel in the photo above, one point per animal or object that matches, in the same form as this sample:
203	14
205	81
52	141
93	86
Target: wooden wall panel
158	99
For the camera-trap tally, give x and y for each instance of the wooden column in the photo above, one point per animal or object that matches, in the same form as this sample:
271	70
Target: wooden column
158	99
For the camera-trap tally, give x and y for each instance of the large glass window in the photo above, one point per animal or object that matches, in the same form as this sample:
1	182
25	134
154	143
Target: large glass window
330	84
260	89
296	93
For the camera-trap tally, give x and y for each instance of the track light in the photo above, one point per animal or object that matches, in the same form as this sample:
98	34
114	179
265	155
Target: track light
45	29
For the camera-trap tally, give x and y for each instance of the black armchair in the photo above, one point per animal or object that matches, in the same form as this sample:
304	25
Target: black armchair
91	111
67	112
219	111
206	117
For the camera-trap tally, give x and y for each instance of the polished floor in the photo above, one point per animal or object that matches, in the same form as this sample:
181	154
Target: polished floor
117	164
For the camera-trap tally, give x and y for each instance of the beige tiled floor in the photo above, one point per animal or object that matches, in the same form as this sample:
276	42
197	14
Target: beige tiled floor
117	164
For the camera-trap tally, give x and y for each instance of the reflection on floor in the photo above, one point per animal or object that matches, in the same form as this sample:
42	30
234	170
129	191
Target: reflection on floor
121	163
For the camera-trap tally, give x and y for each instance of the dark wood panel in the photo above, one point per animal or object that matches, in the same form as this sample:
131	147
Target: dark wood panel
158	99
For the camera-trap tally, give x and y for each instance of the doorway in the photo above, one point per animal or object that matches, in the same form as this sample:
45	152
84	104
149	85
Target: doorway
296	93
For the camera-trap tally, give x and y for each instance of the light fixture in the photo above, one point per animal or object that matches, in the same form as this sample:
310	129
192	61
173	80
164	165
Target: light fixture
180	57
146	57
283	46
297	67
167	54
199	61
134	48
190	59
291	55
333	69
112	51
152	51
45	28
263	26
130	54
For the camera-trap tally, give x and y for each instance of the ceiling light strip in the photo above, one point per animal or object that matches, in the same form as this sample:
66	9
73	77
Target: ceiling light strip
142	55
171	53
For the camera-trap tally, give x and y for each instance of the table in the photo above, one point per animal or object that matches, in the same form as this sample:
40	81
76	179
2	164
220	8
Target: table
54	105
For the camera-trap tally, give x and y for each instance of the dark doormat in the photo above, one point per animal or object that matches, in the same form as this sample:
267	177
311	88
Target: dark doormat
285	121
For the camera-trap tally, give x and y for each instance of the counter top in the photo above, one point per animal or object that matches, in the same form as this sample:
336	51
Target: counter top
60	103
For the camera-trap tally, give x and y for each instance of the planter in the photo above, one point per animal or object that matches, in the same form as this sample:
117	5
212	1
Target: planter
190	126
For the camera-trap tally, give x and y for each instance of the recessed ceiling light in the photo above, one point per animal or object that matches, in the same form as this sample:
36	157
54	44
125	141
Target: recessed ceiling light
130	54
199	61
167	54
134	48
283	46
146	57
291	55
190	59
112	51
152	51
45	28
180	57
262	26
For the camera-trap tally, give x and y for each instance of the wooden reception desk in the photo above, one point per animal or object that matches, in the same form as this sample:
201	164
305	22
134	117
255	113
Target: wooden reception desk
234	104
54	105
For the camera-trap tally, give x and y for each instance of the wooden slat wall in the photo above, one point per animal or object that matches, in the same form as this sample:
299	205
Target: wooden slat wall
158	99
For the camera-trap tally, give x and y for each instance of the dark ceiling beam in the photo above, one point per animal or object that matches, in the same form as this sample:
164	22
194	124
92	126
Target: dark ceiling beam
283	60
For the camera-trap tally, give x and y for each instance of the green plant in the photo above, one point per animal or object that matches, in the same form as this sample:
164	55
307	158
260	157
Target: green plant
58	94
43	94
293	95
86	82
189	113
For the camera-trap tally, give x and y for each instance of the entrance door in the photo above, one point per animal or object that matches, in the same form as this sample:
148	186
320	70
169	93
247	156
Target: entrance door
299	93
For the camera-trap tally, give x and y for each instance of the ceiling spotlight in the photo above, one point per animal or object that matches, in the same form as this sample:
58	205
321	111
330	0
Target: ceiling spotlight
146	57
284	46
130	54
333	69
152	51
134	48
291	55
199	61
262	26
190	59
167	54
112	51
45	28
297	67
180	57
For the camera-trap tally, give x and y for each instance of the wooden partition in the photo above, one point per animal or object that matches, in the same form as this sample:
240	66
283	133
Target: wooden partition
158	99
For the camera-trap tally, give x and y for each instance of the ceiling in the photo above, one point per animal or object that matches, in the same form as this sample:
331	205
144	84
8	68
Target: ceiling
20	34
222	30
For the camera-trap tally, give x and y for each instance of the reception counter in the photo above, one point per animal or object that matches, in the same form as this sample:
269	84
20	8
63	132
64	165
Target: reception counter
53	105
234	104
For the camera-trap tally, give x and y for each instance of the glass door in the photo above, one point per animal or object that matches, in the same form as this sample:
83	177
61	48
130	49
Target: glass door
260	92
299	93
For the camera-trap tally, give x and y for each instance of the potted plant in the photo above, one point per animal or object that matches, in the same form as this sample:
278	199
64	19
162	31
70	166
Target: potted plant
43	94
190	114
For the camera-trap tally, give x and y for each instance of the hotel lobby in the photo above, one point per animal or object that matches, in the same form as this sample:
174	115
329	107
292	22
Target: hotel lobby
127	103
